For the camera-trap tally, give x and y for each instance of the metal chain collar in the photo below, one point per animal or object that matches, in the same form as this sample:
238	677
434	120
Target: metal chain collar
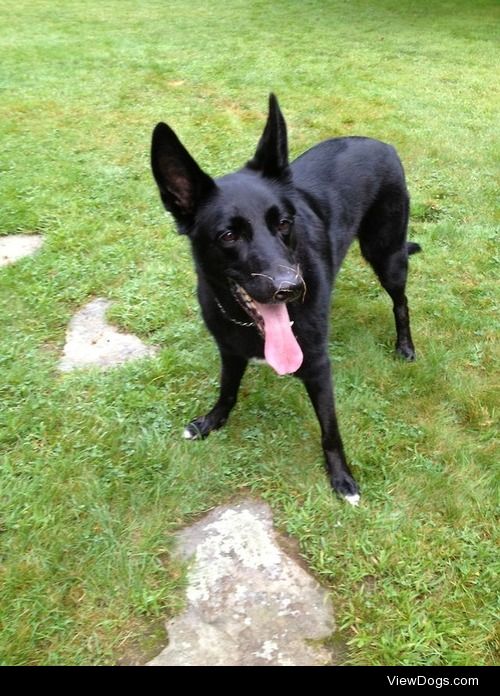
235	321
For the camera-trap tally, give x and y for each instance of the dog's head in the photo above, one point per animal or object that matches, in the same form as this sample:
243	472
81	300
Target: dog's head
242	225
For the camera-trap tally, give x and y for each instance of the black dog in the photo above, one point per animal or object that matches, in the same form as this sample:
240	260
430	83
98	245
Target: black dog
267	243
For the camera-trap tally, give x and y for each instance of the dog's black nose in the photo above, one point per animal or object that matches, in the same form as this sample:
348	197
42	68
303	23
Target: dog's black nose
272	285
285	294
288	287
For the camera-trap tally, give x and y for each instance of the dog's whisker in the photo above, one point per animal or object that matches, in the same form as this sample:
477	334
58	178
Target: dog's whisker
263	275
288	268
301	278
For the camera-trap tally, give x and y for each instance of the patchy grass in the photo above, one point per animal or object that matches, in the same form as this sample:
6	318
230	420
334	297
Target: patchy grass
94	476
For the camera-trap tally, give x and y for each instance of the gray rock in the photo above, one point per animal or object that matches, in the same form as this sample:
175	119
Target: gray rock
248	603
15	246
91	341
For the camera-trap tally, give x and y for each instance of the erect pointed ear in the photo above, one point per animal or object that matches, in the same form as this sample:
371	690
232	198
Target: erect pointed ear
183	185
271	156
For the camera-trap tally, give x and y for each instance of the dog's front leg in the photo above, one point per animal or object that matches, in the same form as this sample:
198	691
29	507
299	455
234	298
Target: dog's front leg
318	382
232	371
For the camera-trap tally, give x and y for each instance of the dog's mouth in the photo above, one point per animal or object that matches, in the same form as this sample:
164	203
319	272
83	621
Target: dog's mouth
249	305
272	321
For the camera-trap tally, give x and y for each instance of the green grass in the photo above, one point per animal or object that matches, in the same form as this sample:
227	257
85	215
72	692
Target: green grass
94	476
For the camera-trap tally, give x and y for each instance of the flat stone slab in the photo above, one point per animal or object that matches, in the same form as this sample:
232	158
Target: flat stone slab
248	602
15	246
91	341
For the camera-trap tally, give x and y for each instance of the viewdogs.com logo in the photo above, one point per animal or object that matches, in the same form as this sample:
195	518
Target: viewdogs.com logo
437	682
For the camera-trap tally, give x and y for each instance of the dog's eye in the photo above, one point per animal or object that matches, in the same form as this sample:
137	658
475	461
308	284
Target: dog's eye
228	237
284	227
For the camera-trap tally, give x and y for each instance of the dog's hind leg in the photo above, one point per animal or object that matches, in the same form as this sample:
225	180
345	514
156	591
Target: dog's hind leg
392	273
382	238
318	383
233	369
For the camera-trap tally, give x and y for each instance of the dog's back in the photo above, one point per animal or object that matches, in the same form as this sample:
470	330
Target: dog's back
344	180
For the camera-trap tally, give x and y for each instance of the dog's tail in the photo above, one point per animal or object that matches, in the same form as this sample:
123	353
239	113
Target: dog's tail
413	248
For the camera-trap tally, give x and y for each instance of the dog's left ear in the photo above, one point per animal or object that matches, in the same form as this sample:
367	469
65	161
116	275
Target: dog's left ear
271	156
183	184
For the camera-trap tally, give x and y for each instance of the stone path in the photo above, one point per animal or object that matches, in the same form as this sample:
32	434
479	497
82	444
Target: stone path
248	603
15	246
91	341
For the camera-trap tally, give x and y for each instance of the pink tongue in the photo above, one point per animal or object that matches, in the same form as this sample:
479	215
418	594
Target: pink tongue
281	349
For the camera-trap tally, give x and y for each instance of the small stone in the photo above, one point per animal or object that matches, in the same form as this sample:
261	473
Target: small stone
91	341
248	603
15	246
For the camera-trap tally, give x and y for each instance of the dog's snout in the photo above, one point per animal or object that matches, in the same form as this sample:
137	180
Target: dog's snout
284	284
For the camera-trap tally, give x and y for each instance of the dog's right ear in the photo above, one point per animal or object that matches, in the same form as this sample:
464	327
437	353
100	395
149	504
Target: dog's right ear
271	155
183	185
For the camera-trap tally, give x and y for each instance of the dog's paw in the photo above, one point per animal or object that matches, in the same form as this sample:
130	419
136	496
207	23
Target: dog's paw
353	499
200	428
194	431
187	434
347	488
406	352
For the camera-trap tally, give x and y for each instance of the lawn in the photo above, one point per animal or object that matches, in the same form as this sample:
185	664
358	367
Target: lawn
94	474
